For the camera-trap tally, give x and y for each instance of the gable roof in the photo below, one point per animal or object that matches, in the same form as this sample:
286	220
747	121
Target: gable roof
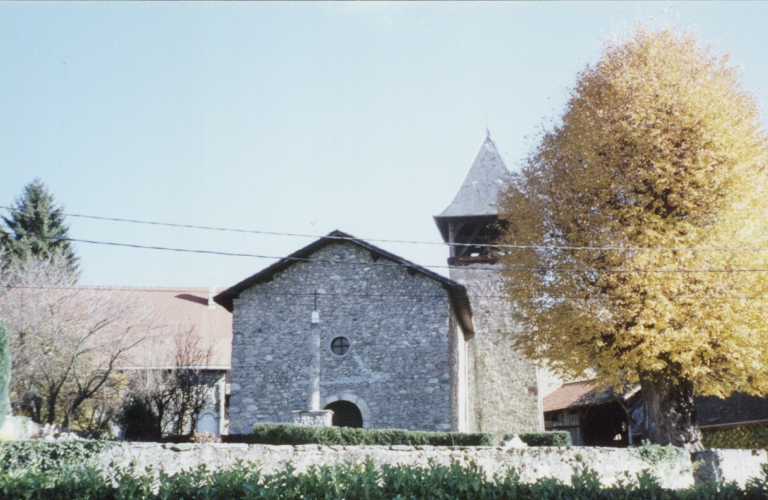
566	395
456	291
584	393
480	190
180	315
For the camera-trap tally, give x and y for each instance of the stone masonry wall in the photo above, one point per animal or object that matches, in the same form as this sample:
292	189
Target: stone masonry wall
727	466
502	384
612	464
398	369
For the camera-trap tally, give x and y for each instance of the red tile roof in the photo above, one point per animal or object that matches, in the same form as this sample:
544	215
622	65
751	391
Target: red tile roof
178	312
567	395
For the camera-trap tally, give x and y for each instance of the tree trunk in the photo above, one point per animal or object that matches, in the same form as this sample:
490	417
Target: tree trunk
669	414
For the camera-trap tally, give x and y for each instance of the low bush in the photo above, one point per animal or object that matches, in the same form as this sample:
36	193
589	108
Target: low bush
746	437
363	481
277	434
139	421
46	456
549	438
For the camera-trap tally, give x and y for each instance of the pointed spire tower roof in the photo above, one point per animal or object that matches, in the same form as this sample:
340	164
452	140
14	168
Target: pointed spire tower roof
480	190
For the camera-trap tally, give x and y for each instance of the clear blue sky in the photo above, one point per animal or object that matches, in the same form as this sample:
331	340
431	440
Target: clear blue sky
292	117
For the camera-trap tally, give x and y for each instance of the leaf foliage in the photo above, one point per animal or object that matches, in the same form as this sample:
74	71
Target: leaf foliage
659	147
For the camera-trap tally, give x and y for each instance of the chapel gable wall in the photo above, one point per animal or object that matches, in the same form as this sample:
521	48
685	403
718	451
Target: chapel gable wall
398	325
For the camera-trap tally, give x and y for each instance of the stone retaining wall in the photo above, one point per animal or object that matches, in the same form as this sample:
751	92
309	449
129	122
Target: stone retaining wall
611	464
729	465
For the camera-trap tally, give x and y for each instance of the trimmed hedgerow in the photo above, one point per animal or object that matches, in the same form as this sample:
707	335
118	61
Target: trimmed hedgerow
277	434
48	455
345	481
752	437
549	438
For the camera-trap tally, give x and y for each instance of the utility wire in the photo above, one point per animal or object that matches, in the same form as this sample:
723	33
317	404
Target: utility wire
201	292
407	264
414	242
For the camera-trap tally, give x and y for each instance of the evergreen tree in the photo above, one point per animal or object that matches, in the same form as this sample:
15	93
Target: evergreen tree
5	372
36	227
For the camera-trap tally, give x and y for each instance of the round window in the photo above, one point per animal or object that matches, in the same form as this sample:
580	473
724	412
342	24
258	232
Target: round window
340	346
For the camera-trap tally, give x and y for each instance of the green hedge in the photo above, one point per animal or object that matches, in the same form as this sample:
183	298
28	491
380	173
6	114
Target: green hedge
291	434
362	481
48	455
549	438
747	437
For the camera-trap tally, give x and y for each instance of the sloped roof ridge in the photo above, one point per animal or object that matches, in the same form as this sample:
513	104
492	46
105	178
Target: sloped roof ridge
130	288
396	258
224	298
460	298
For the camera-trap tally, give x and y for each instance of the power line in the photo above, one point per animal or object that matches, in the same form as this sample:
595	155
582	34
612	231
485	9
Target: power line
414	242
311	294
393	264
406	265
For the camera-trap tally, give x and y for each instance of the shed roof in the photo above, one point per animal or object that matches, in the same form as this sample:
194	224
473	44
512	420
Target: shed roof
566	395
584	393
480	190
736	408
711	411
456	291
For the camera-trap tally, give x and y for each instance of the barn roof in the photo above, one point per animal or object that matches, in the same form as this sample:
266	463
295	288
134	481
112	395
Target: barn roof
583	393
566	395
178	312
456	291
711	411
152	323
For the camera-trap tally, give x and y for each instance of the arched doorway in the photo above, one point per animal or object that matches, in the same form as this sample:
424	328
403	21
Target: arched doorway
345	414
605	425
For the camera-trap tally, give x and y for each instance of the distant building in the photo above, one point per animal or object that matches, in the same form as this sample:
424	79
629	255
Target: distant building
601	417
190	332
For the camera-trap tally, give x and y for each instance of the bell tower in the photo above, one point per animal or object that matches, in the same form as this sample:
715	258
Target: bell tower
502	385
472	215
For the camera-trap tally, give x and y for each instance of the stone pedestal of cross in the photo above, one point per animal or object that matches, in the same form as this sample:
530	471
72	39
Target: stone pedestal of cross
313	418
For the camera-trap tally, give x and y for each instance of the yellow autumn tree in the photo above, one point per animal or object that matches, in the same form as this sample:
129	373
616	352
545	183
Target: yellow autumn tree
648	204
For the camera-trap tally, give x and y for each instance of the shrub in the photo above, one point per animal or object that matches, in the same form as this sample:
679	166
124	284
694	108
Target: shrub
549	438
655	454
364	480
139	421
747	437
49	455
277	434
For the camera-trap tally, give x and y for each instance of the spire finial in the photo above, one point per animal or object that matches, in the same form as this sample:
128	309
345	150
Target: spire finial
487	133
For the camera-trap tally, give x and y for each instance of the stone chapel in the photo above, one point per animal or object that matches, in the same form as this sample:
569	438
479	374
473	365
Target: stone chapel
346	326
